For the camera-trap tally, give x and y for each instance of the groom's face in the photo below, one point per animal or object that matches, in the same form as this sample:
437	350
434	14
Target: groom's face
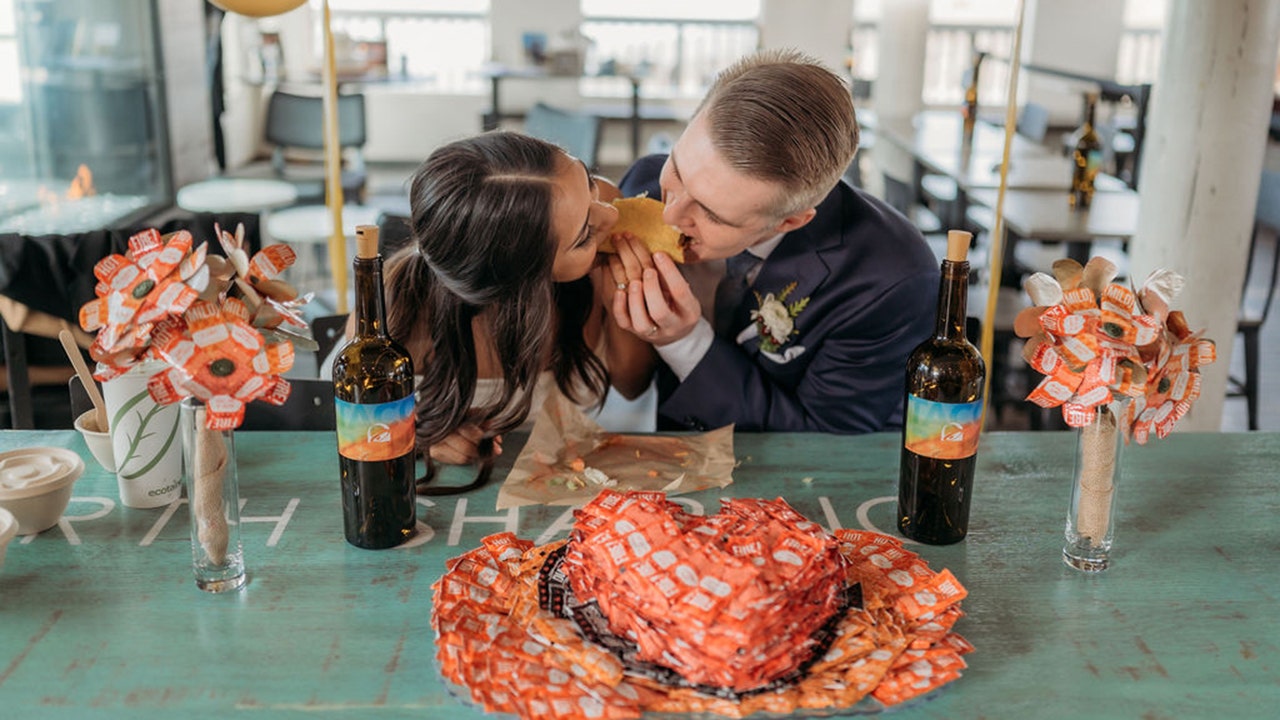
720	209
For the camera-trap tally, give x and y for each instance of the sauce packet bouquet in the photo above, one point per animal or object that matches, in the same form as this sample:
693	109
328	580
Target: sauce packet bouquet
569	458
223	326
222	329
1098	343
755	609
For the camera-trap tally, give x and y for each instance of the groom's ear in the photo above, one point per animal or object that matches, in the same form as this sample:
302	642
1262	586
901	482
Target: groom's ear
795	220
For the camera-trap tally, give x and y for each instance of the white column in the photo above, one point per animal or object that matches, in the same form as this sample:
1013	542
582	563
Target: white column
904	28
508	21
820	28
1078	35
1201	165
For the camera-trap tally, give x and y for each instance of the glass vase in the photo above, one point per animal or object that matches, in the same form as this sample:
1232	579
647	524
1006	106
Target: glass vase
213	496
1091	516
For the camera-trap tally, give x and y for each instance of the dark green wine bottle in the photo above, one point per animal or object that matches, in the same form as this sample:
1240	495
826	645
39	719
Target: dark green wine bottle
1086	156
373	391
943	415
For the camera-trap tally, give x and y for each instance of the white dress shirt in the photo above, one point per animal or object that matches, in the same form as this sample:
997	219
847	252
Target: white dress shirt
683	355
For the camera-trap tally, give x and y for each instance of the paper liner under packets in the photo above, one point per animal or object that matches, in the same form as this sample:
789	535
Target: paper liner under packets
569	458
515	635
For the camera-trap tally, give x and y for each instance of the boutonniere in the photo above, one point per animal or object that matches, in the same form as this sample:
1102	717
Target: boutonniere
775	317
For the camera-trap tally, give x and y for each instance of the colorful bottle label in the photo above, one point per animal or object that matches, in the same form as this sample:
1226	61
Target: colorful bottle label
1092	164
379	431
944	431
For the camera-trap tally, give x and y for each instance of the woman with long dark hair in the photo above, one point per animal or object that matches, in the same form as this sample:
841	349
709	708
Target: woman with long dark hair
500	297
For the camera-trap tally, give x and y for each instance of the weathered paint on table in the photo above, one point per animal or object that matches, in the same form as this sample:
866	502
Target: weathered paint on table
100	616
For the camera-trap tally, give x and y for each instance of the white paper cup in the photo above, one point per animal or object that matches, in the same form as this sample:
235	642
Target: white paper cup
145	441
8	529
98	441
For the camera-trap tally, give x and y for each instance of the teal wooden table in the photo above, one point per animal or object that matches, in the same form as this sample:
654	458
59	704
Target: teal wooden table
99	616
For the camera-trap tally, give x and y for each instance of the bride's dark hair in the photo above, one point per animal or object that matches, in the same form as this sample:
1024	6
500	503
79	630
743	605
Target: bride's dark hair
482	242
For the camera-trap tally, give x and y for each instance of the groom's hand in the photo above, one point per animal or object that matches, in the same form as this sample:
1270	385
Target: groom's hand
660	307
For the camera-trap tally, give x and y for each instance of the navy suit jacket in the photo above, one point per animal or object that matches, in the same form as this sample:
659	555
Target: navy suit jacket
872	284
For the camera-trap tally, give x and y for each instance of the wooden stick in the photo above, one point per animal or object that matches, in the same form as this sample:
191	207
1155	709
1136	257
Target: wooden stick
996	254
333	168
86	378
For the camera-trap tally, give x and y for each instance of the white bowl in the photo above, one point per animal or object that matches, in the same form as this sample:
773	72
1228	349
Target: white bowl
98	440
35	485
8	528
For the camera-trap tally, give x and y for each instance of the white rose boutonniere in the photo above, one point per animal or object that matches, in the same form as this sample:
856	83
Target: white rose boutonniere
775	318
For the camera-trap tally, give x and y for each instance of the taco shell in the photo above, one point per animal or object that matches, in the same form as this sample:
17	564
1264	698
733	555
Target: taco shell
642	217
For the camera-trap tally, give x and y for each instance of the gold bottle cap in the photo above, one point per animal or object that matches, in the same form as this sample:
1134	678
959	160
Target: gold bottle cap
958	245
366	241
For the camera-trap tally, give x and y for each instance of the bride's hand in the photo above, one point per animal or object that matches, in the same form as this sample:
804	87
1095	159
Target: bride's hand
463	446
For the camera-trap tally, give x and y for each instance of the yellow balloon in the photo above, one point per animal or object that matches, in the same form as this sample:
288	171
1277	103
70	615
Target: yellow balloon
258	8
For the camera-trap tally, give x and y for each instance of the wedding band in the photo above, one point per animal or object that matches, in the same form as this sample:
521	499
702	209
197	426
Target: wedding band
653	330
622	286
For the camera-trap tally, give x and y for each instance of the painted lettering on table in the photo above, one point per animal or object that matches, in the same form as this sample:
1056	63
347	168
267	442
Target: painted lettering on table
459	518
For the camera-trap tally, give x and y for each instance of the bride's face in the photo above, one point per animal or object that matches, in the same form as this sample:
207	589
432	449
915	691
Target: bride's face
579	220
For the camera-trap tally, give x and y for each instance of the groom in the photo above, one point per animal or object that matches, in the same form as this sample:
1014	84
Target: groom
802	296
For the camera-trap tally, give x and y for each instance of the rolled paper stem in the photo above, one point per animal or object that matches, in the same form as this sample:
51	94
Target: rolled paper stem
1097	473
210	470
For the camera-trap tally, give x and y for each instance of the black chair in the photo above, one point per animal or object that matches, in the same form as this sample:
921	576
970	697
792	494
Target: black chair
901	197
394	232
80	402
296	123
47	278
309	407
328	331
1259	290
577	133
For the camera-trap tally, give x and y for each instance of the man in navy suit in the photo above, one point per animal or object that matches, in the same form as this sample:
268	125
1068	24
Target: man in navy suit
839	288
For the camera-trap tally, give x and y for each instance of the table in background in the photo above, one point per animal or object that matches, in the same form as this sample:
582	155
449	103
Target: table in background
306	228
236	195
935	138
935	141
635	114
1047	173
100	615
1047	216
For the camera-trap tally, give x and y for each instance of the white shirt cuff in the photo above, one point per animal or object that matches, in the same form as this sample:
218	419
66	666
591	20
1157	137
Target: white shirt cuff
683	355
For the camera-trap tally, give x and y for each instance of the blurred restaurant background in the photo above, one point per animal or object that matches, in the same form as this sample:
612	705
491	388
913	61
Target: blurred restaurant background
122	114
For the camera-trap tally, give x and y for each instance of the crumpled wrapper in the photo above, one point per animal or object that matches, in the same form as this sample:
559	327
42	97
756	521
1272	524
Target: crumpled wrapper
569	459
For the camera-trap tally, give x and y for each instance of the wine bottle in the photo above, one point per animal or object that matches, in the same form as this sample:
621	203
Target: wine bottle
373	390
943	415
970	110
1087	157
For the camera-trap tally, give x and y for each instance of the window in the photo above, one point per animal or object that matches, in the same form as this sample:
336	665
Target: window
677	45
956	27
1138	57
442	42
81	139
10	87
